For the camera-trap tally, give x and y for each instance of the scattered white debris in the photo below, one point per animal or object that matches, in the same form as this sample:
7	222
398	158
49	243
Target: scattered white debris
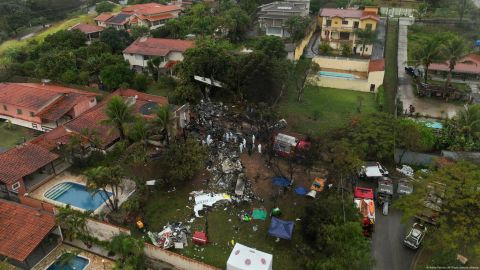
208	200
406	170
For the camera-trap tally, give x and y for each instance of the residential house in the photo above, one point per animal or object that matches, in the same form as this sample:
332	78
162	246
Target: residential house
91	31
42	106
27	235
151	15
143	49
466	68
341	26
24	167
272	16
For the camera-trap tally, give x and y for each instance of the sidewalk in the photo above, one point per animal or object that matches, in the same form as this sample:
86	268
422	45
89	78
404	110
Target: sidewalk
425	106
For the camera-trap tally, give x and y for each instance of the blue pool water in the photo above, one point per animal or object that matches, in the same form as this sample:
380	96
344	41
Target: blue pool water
76	195
77	263
337	75
432	124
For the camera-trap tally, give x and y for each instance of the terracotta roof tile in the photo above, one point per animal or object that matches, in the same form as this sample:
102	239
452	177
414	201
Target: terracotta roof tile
22	161
51	139
376	65
158	46
150	8
348	13
59	109
87	28
22	229
103	16
160	17
471	65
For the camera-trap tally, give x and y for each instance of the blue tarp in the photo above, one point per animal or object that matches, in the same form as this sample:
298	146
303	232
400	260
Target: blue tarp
477	42
281	181
281	228
301	191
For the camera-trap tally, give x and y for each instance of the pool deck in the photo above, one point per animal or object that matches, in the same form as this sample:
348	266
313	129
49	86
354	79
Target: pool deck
361	75
96	262
128	189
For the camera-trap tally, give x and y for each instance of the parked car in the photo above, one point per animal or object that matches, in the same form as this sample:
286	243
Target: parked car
414	72
415	237
373	170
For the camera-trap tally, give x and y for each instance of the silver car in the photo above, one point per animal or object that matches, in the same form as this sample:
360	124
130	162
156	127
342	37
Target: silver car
415	237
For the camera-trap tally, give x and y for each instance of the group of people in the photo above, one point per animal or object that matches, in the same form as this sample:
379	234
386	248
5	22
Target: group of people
250	147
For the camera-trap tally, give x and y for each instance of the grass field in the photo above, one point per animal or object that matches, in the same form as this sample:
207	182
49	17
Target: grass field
10	136
324	109
11	44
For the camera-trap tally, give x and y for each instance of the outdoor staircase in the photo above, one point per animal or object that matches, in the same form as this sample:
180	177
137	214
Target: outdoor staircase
58	190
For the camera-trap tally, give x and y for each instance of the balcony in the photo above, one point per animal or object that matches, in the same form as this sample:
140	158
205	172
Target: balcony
339	28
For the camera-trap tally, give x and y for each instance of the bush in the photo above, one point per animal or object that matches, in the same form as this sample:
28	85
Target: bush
140	82
325	48
346	50
380	97
104	7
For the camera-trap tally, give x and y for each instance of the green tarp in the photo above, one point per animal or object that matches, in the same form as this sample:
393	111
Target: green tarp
259	213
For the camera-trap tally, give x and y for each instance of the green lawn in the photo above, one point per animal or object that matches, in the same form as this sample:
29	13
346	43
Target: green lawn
10	136
224	225
11	44
324	109
391	68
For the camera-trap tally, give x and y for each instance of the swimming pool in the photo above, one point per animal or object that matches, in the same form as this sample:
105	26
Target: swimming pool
76	263
76	195
338	75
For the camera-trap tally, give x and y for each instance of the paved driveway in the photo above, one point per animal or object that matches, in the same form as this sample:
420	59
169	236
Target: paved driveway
425	106
379	45
388	250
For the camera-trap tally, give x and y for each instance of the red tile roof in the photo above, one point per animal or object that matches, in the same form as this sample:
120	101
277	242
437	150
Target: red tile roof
158	46
22	161
87	28
103	16
35	96
51	139
471	65
376	65
92	119
22	229
150	8
61	107
348	13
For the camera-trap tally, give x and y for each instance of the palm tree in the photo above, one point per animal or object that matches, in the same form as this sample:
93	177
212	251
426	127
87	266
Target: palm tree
72	222
130	250
428	52
453	50
119	113
165	122
366	36
104	180
468	121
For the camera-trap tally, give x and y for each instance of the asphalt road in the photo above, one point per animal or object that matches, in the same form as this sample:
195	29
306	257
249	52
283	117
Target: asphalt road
388	249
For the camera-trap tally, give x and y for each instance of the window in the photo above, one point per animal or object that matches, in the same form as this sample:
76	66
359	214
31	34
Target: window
369	26
34	125
5	108
344	22
355	25
344	35
19	111
329	22
366	49
32	114
16	186
92	100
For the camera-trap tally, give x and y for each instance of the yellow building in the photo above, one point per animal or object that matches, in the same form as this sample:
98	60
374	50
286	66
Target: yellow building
341	26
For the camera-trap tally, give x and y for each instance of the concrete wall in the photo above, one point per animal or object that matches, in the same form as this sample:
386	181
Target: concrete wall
342	63
302	44
139	60
179	261
376	78
104	231
85	104
357	85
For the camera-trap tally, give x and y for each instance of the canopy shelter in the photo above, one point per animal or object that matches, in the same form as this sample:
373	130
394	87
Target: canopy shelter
281	181
301	191
259	213
281	228
246	258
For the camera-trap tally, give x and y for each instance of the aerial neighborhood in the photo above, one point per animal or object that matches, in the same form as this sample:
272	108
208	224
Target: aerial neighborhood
239	135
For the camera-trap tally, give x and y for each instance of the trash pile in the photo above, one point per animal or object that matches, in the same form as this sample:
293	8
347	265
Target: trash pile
172	235
406	170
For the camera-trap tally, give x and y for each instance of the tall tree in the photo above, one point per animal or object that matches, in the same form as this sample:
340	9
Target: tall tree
426	53
453	50
421	10
114	76
468	121
118	40
164	121
236	21
119	113
72	222
270	45
413	136
297	27
130	250
106	181
457	226
333	236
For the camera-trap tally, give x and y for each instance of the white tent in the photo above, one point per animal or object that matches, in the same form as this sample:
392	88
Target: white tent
245	258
